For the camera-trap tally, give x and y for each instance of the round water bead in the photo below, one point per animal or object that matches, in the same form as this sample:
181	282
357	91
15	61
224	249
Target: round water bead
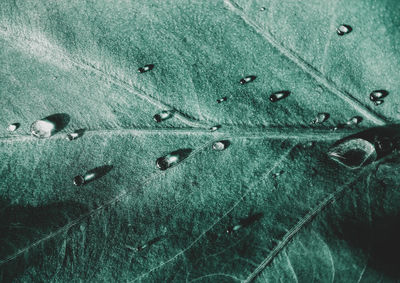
378	94
220	145
262	9
278	96
43	129
378	102
343	29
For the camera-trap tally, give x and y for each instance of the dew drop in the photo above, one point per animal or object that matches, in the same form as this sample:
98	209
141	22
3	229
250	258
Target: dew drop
79	180
378	94
354	120
42	129
220	145
222	99
378	102
13	127
214	128
343	29
320	118
279	95
72	136
162	116
262	9
247	79
146	68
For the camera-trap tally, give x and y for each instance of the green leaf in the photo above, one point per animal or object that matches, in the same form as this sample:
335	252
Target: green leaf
300	216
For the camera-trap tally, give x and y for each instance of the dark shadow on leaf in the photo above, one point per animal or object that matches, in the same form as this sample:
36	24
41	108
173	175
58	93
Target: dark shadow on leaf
21	226
60	120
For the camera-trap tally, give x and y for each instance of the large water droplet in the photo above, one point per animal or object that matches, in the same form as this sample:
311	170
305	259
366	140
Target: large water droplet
247	79
378	95
320	118
46	127
279	95
343	29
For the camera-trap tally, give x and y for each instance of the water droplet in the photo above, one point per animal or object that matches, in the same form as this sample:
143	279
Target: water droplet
222	99
378	95
165	162
320	118
13	127
46	127
79	180
42	129
277	174
146	68
214	128
279	95
354	120
163	115
232	229
220	145
262	9
72	136
343	29
378	102
247	79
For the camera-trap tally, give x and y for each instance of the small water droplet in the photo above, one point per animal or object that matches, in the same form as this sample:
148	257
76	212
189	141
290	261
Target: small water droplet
247	79
146	68
354	120
279	95
13	127
378	102
277	174
343	29
214	128
163	115
320	118
79	180
72	136
378	95
222	99
220	145
262	9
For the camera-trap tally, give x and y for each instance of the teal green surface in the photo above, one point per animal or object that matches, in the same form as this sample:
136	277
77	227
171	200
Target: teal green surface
81	58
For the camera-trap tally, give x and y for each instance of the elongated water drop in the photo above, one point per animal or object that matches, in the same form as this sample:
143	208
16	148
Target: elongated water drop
320	118
163	115
247	79
214	128
166	161
279	95
378	95
343	29
222	99
146	68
